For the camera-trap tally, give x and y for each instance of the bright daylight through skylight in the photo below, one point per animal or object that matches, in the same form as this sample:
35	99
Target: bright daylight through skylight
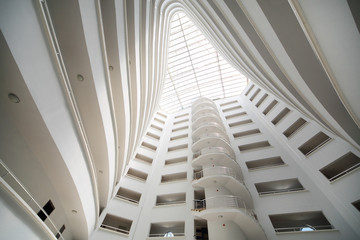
195	68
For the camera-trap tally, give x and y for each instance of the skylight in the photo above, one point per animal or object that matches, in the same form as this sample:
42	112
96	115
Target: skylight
195	69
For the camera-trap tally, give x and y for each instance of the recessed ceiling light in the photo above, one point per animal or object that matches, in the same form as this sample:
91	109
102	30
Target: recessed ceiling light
111	68
73	211
80	77
13	97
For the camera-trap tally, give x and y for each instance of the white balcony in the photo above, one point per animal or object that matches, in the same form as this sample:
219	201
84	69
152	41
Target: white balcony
219	176
212	141
208	128
212	135
210	118
202	112
230	208
215	155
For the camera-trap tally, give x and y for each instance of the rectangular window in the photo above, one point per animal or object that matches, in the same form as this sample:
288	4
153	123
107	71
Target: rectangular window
356	204
161	114
179	137
181	115
250	88
143	158
117	224
280	116
180	128
261	100
168	199
235	124
159	120
228	103
252	146
246	133
179	147
269	107
279	186
314	143
181	121
265	162
300	222
255	94
175	160
231	108
128	195
152	135
235	115
137	174
148	146
294	127
48	209
173	177
156	127
341	166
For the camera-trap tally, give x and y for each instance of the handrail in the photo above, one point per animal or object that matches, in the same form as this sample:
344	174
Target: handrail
127	199
116	229
209	150
163	234
31	199
265	166
318	146
302	228
205	115
199	108
215	124
213	134
220	170
281	191
223	201
170	203
204	110
344	172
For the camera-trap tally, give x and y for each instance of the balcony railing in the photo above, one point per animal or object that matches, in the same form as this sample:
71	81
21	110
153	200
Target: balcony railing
217	171
213	134
202	101
306	228
9	177
209	150
170	203
208	124
200	112
115	229
205	114
160	235
127	199
281	191
204	107
222	201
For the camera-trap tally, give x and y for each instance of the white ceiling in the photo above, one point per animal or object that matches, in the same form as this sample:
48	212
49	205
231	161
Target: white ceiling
195	68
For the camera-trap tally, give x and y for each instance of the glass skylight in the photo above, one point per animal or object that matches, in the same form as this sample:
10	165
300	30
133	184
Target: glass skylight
195	69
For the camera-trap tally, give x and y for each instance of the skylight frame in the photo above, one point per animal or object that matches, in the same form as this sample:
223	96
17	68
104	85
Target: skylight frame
195	69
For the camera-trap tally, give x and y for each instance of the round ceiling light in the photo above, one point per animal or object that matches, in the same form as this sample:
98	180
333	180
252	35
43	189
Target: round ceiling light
80	77
13	97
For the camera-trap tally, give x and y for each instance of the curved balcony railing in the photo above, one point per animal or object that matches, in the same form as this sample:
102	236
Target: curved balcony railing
194	128
217	171
203	106
201	101
9	177
208	128
203	111
208	114
115	229
223	201
203	120
212	135
209	150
